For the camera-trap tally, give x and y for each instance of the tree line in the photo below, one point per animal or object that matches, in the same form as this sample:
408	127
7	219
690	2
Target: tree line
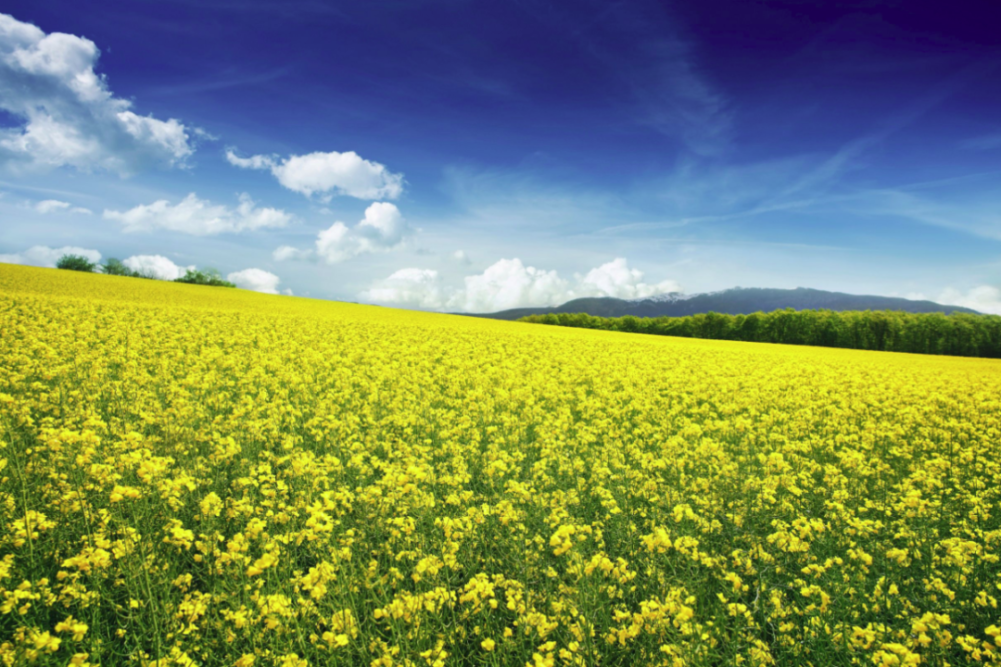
116	267
958	334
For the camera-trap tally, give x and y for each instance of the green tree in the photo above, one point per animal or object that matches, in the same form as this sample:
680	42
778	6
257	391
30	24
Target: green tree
204	277
896	331
115	267
76	263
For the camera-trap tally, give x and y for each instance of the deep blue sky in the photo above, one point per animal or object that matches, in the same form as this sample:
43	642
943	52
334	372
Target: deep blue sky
853	146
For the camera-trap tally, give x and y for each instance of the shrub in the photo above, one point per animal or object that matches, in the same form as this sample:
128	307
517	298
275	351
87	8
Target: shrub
204	277
115	267
76	263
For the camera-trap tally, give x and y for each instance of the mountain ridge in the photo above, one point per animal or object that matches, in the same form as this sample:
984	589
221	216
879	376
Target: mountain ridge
734	301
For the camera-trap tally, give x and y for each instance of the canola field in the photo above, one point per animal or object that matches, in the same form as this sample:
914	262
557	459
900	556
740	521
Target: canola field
203	476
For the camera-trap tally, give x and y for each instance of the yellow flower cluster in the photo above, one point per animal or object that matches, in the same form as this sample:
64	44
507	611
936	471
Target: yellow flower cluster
198	476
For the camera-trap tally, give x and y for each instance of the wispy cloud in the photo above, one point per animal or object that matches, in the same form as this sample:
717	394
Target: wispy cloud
221	81
830	170
659	77
986	142
527	198
55	205
679	101
199	217
972	216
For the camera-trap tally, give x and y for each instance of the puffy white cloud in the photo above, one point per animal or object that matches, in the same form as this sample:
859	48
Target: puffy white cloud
199	217
508	283
985	298
337	244
330	173
156	266
382	229
418	288
461	257
69	117
51	205
616	279
41	255
257	280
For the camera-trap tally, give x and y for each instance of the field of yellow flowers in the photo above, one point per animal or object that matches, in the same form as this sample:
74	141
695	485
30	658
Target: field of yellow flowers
204	476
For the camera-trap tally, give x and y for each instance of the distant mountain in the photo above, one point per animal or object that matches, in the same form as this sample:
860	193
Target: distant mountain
736	301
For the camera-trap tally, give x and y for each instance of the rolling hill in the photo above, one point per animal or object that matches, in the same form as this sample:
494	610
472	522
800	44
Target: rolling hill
736	301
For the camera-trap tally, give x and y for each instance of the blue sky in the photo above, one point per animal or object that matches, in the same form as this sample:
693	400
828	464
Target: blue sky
460	155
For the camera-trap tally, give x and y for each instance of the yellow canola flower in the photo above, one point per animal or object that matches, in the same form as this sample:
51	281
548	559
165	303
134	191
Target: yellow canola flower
74	627
228	478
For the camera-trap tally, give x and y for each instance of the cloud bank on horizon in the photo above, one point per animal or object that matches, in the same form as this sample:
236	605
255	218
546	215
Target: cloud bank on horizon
510	284
847	148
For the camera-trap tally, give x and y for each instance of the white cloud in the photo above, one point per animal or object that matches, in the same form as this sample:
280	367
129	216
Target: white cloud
616	279
382	229
985	299
287	252
199	217
156	266
41	255
418	288
257	280
253	162
461	257
328	174
69	117
508	283
51	205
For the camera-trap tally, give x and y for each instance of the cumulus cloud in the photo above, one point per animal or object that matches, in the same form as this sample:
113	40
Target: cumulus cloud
616	279
461	257
419	288
67	114
257	280
199	217
51	205
155	266
41	255
327	174
382	229
508	283
985	299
